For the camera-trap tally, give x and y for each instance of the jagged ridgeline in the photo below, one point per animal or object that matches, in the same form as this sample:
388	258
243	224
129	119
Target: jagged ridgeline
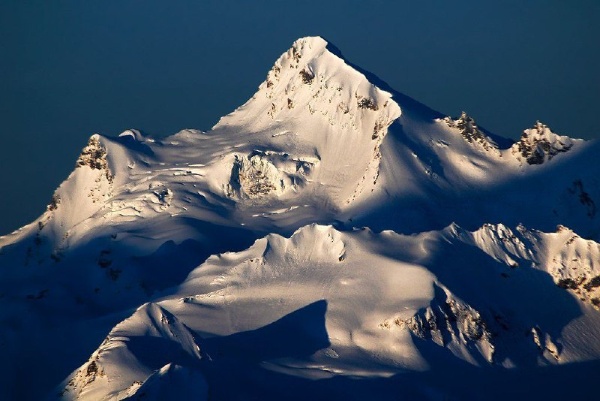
330	229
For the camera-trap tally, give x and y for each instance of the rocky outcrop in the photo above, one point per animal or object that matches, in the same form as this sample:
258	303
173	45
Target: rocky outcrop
470	132
256	177
94	156
539	144
448	320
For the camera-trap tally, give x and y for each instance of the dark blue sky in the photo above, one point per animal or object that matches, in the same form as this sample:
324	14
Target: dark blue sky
69	69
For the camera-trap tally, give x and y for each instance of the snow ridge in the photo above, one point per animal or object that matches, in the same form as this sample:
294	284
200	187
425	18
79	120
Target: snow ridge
122	366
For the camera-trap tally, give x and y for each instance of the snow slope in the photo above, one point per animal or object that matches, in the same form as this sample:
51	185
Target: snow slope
324	304
480	256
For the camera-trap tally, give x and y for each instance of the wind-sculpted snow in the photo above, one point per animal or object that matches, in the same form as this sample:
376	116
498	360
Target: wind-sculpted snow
329	229
392	305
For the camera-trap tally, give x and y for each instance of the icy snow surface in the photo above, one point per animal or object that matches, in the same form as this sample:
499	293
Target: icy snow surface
331	238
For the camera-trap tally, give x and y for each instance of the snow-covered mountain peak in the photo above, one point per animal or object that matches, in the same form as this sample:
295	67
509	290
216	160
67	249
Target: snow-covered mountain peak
539	144
82	194
317	110
309	79
307	47
93	156
323	205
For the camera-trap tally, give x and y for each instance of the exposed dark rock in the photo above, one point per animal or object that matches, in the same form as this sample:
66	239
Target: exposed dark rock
584	198
307	76
94	156
568	283
470	132
367	103
540	144
54	202
593	283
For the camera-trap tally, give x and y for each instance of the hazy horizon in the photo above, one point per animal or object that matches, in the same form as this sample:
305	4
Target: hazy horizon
73	69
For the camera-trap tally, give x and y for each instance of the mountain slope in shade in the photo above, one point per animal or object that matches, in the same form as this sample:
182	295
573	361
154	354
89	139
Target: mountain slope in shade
486	257
146	354
324	304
